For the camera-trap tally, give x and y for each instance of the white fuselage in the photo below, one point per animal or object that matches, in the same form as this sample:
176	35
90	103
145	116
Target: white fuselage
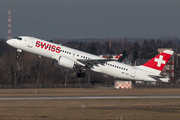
111	68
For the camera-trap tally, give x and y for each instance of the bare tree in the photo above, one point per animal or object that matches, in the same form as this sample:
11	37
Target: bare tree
65	72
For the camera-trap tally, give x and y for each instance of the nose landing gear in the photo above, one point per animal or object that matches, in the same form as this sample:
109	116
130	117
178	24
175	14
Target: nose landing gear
17	53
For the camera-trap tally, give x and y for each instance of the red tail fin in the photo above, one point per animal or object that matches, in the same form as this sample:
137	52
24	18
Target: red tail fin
157	63
118	56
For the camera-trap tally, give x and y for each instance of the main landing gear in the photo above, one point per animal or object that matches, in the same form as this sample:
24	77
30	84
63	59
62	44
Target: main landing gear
81	73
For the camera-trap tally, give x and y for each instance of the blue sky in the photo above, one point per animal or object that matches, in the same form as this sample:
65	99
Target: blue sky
49	19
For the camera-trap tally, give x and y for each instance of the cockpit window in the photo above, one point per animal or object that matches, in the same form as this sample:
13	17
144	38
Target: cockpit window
17	38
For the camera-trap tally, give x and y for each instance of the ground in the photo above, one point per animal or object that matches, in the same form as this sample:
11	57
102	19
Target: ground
109	109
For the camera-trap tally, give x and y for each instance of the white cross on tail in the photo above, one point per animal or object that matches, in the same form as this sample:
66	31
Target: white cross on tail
160	61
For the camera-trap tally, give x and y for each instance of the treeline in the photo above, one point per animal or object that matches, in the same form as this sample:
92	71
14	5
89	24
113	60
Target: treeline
30	68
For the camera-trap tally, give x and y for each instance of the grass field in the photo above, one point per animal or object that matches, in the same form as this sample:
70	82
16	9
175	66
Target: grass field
109	109
86	92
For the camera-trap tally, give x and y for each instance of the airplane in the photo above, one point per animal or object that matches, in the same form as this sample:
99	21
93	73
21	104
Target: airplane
69	58
113	57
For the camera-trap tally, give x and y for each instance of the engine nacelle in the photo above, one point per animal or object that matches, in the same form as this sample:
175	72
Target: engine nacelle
64	62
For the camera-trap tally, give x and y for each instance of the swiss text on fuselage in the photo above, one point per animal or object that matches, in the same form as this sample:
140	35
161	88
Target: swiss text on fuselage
49	47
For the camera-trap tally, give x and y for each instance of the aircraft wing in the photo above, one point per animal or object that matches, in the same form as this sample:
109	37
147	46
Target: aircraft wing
94	61
87	62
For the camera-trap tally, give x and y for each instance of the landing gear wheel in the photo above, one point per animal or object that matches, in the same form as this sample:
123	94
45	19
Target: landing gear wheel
81	75
17	56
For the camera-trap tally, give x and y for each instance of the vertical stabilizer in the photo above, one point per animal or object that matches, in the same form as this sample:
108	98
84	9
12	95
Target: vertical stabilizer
157	63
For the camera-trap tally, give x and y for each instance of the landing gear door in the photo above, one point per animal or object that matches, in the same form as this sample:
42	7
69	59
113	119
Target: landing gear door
133	72
30	42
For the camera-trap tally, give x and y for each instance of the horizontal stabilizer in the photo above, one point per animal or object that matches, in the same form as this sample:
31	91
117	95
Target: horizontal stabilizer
156	76
160	78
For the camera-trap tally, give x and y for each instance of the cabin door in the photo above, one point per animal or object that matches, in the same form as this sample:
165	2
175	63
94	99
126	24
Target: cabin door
30	42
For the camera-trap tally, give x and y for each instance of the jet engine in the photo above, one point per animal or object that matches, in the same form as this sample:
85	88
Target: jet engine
64	62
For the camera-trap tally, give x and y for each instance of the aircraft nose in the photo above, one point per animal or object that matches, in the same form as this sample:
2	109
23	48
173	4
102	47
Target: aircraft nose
10	42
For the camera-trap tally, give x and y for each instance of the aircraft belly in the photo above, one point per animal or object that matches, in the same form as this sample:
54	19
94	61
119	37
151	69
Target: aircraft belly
43	52
143	76
38	51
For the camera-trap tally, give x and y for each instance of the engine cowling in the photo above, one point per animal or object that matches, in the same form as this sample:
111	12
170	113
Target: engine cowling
64	62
